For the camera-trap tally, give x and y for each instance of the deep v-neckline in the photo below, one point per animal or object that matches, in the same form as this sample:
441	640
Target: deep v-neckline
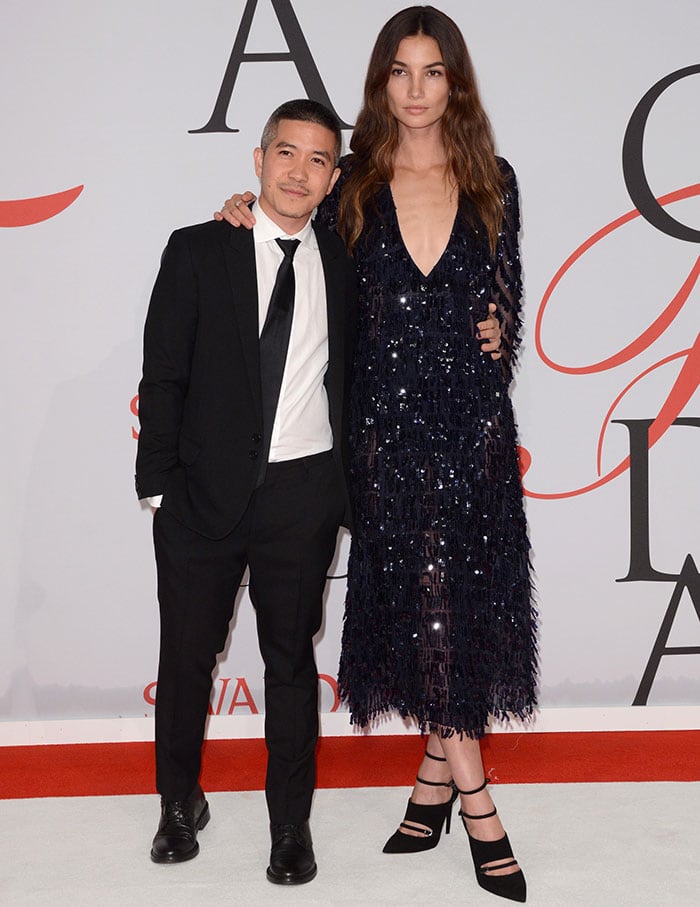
424	274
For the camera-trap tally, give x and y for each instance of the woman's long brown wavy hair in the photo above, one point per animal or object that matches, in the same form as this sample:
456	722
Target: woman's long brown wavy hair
466	130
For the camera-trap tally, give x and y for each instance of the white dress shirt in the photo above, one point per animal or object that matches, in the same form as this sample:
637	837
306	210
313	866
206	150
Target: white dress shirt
302	426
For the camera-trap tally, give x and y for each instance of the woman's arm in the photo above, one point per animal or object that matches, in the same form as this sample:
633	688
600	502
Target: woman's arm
506	291
237	212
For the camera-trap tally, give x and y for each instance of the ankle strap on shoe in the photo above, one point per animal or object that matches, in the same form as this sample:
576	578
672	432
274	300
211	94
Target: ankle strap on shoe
482	816
435	783
477	790
435	758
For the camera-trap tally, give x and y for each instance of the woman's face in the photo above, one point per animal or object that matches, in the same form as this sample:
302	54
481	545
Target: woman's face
417	90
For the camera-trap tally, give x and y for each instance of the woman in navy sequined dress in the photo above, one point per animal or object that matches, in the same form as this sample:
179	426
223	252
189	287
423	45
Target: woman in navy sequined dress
439	621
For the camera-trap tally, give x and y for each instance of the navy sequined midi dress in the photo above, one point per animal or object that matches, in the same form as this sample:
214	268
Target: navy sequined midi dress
439	622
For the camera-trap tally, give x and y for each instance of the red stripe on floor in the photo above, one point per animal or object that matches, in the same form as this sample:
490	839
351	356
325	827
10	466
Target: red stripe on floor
99	769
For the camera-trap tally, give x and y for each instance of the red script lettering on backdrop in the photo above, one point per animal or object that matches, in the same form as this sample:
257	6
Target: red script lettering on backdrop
685	384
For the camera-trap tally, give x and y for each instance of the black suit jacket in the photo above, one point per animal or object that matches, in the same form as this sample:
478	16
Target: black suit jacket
199	399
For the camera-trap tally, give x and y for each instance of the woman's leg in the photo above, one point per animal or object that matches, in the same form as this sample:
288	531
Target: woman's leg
466	766
435	770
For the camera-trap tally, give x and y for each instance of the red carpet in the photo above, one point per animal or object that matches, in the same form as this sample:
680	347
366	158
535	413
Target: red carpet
95	769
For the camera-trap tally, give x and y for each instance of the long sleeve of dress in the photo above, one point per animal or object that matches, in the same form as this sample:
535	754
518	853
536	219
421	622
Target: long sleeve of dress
506	290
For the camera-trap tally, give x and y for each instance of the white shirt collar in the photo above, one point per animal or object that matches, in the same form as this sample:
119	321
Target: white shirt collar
266	230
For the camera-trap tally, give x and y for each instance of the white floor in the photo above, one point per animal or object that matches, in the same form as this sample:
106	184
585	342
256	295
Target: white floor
579	844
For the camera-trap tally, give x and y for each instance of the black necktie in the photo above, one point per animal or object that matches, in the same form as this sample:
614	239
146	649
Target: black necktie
274	342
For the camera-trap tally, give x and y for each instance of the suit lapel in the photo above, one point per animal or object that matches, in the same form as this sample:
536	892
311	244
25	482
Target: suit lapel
239	254
335	304
335	294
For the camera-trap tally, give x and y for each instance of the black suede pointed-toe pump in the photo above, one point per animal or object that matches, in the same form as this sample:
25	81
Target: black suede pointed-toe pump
425	819
487	853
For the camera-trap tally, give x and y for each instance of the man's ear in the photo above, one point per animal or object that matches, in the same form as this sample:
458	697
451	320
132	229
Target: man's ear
258	155
334	180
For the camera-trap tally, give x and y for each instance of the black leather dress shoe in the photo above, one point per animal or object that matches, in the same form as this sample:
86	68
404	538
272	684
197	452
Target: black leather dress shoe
292	860
180	820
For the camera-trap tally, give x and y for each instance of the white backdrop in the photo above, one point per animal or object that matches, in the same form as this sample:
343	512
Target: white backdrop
104	96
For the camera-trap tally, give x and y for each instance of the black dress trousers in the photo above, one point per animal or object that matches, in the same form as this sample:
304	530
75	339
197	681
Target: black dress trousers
287	537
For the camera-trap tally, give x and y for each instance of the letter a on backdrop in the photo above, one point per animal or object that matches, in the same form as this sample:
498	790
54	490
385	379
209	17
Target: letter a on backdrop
299	54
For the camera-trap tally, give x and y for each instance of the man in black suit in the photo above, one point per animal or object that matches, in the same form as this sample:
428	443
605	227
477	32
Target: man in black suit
241	451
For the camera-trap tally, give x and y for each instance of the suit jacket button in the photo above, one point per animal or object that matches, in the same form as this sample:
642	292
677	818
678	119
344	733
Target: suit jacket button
256	439
253	454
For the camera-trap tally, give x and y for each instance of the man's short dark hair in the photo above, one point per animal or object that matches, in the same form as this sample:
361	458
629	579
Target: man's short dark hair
302	110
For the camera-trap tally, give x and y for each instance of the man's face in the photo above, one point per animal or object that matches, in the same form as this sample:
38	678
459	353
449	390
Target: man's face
296	172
